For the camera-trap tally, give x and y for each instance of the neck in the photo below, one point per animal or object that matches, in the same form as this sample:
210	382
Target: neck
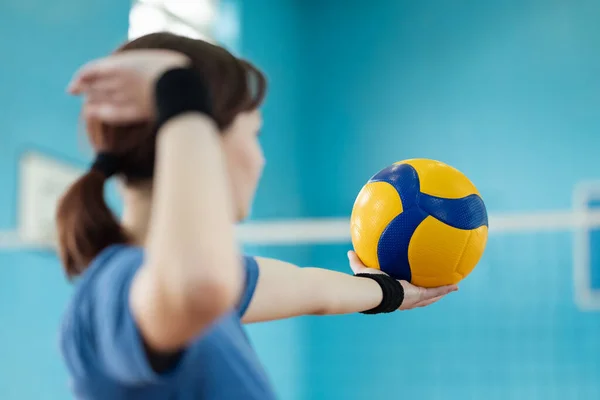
137	212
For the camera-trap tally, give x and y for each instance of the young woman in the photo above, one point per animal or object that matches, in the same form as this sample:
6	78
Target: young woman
161	296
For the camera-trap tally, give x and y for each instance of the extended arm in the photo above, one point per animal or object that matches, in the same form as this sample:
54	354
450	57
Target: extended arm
285	290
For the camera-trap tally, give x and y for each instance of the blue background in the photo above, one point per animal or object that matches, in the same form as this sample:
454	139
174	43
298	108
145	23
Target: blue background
508	92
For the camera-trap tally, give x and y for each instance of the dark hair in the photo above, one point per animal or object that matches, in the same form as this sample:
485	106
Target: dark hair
85	223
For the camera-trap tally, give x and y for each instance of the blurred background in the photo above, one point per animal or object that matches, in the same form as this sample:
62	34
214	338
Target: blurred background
506	91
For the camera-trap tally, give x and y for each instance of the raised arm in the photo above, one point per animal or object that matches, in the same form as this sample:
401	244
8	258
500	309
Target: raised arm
192	272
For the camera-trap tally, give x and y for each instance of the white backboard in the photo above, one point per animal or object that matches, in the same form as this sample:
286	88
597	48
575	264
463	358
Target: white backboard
42	181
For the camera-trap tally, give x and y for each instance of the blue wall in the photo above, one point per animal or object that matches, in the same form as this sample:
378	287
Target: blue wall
507	92
498	89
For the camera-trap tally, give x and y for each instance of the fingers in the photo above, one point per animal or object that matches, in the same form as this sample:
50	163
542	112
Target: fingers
93	71
113	114
111	97
358	267
101	111
107	95
355	264
102	84
443	291
415	296
429	302
430	293
110	84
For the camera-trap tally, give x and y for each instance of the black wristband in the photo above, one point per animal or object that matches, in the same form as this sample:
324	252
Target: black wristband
393	293
180	90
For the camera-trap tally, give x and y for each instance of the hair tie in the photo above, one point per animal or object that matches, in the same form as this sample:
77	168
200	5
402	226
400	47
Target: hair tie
107	164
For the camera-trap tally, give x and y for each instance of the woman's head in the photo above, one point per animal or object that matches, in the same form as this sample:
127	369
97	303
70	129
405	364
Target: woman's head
85	224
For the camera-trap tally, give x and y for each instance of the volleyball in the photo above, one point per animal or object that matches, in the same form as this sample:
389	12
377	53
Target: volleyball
422	221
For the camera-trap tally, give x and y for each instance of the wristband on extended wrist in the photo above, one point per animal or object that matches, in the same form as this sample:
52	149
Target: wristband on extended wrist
393	293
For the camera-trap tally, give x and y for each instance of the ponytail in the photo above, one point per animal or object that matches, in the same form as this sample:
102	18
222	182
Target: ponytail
85	223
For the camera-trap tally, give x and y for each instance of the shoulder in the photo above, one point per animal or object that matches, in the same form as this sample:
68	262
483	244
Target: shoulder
113	266
108	275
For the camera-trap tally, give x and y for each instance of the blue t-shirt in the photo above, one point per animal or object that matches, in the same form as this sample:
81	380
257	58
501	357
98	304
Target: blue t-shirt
105	354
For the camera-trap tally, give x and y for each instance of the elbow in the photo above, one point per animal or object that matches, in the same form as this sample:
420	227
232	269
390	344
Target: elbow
212	292
190	294
171	311
201	284
211	297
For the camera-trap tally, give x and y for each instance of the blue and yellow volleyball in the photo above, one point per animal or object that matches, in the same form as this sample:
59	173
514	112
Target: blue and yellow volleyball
422	221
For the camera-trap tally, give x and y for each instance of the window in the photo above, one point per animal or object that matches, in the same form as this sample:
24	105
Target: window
192	18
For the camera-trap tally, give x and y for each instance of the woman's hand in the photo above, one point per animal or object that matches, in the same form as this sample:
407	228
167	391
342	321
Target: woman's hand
118	89
414	296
